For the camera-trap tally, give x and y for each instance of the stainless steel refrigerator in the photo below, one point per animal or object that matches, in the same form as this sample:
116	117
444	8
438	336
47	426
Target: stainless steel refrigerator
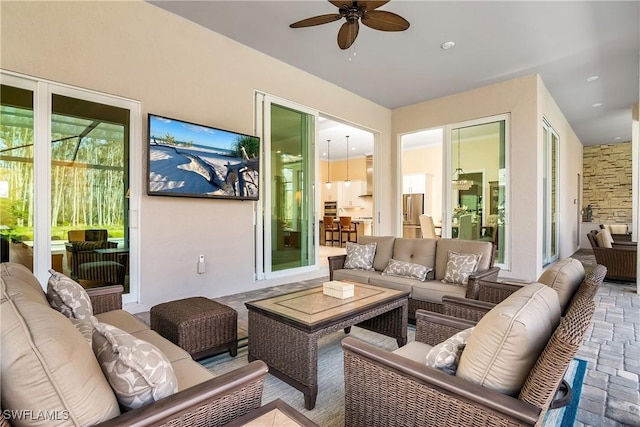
412	208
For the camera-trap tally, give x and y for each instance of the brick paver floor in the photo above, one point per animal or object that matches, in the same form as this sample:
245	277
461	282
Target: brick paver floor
610	395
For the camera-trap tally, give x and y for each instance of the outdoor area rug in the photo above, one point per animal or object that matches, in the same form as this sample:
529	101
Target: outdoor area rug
329	410
566	416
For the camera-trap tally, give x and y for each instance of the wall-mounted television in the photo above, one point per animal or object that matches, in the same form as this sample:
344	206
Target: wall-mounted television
191	160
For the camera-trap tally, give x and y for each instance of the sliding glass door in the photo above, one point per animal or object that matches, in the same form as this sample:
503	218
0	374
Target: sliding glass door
288	203
550	147
478	183
65	194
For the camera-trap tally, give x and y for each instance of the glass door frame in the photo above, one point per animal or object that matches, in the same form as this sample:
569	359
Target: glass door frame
43	91
449	169
550	202
262	212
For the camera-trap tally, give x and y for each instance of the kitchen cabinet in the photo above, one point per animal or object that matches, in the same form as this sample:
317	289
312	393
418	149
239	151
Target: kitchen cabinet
414	184
331	194
351	195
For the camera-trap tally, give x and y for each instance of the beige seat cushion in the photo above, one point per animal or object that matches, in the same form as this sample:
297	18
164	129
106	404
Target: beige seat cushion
393	282
415	351
190	373
434	290
462	247
122	320
384	249
508	340
360	276
49	366
170	350
565	276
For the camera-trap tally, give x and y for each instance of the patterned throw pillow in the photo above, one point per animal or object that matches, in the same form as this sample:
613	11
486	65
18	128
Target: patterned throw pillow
85	327
360	257
460	267
406	269
68	297
137	371
445	356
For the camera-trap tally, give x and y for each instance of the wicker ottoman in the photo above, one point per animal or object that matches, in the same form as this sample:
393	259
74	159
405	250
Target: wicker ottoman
198	325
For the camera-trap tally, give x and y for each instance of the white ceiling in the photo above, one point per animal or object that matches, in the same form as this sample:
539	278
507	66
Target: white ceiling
564	42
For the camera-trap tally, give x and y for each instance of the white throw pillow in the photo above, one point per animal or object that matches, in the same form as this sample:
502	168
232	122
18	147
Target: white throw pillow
406	269
360	257
138	372
445	356
68	297
460	267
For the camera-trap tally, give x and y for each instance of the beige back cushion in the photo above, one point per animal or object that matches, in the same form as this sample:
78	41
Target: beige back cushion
463	247
416	251
25	275
384	249
618	228
508	340
47	364
565	276
604	239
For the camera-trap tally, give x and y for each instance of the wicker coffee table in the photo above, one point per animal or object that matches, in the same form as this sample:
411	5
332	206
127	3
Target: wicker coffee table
284	330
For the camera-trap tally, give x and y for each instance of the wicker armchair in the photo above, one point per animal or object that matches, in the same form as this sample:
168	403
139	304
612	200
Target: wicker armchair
88	265
386	389
465	308
621	259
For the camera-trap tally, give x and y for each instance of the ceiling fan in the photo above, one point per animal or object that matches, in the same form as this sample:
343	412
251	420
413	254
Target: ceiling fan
354	11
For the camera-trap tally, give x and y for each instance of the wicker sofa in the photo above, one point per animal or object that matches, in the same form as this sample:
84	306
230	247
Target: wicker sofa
46	365
621	258
398	388
432	253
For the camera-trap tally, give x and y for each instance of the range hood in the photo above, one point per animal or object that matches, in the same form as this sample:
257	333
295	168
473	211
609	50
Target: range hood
369	166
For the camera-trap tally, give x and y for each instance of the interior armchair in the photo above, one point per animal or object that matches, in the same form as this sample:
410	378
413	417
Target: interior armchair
399	388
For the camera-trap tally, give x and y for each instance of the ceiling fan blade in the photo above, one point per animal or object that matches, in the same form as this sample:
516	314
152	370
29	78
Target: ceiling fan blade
372	4
316	20
347	34
384	21
341	3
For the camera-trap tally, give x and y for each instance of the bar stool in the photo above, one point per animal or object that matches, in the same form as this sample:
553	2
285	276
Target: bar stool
347	231
332	228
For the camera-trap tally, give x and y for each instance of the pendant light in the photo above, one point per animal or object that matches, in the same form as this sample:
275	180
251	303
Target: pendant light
347	182
456	182
328	183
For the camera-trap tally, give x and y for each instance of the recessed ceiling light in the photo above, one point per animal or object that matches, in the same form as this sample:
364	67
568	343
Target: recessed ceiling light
592	78
597	104
447	45
324	154
617	138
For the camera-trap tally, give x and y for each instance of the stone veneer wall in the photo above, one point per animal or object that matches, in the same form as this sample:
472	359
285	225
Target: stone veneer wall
606	183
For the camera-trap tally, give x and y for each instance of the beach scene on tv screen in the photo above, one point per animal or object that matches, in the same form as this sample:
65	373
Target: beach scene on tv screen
189	159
